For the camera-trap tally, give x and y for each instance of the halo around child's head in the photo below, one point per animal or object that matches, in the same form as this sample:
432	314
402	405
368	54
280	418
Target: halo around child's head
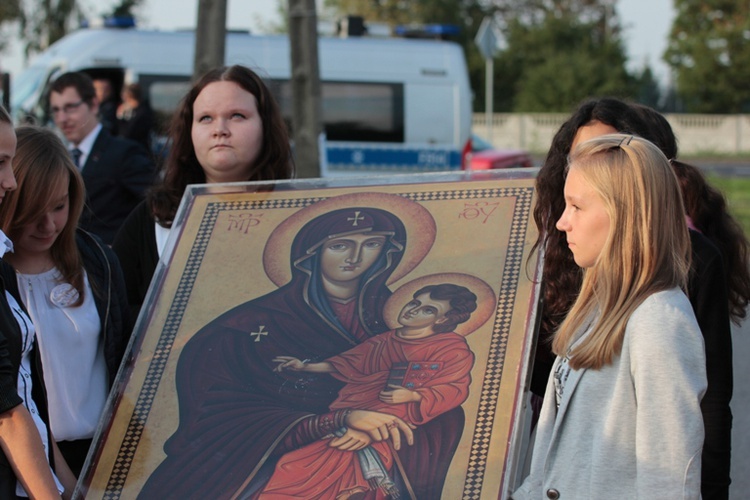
486	300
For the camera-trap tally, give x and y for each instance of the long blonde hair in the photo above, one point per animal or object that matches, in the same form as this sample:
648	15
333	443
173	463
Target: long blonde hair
647	249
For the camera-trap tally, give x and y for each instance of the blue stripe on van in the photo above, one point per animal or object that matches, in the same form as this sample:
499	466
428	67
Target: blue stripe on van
355	159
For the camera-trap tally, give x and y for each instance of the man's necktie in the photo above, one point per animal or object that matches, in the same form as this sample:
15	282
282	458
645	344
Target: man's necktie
76	154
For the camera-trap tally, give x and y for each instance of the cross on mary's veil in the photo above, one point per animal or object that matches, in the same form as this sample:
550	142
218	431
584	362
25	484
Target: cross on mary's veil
356	218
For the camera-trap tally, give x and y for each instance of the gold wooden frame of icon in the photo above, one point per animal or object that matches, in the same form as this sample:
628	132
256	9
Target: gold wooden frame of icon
174	411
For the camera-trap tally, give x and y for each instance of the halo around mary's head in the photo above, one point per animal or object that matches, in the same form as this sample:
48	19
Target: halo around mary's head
405	222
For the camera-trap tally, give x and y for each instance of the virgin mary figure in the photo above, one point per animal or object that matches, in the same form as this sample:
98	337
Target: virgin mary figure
237	416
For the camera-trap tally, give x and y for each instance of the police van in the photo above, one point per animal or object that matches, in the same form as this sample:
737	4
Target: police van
389	104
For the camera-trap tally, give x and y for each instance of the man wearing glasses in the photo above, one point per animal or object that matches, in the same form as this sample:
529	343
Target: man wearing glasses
116	171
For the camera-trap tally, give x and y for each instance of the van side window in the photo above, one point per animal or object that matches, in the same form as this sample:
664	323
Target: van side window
164	96
354	111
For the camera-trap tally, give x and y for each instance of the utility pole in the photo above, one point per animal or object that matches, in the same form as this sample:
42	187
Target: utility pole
210	36
306	106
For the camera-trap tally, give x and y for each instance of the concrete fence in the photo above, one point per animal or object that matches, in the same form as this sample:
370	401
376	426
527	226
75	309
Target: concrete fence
697	134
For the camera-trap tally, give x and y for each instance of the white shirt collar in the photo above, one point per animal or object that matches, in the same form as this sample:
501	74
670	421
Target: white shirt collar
88	142
5	244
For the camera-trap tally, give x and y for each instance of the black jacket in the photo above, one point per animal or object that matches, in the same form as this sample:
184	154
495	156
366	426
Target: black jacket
135	245
707	290
117	174
138	126
10	361
107	282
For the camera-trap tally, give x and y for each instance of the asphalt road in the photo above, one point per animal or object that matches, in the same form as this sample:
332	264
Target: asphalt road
741	411
726	168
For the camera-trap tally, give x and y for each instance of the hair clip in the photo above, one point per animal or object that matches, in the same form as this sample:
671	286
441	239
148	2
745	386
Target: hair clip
628	138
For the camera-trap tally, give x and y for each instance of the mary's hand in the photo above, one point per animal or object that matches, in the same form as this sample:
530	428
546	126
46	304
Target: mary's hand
352	440
380	426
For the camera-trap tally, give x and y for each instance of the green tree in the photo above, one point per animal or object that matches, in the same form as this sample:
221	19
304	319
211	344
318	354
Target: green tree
558	51
563	52
10	10
466	14
126	8
278	25
708	52
43	22
403	12
648	91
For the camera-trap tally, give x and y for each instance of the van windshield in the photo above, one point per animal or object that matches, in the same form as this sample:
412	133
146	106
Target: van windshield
25	86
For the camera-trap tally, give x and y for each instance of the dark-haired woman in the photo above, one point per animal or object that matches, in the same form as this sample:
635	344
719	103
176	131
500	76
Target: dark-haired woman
228	128
707	290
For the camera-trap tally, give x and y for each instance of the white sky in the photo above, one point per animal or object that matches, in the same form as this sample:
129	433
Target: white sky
646	22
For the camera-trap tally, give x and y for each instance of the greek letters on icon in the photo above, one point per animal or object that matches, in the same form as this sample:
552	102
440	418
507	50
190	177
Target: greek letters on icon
480	210
243	222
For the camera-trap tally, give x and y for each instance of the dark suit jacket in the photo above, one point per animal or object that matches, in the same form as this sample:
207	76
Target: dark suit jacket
138	126
117	174
108	115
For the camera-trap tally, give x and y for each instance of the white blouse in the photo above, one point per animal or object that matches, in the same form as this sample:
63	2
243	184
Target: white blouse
563	369
72	352
162	235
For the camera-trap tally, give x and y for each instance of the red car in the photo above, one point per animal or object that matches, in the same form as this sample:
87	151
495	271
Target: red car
484	156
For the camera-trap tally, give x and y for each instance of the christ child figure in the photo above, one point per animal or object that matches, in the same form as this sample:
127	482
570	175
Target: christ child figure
414	372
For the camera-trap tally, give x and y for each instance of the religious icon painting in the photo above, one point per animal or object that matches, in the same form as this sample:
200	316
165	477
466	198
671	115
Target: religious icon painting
330	339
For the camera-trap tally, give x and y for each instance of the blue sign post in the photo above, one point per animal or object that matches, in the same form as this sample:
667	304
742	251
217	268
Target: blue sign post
489	40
